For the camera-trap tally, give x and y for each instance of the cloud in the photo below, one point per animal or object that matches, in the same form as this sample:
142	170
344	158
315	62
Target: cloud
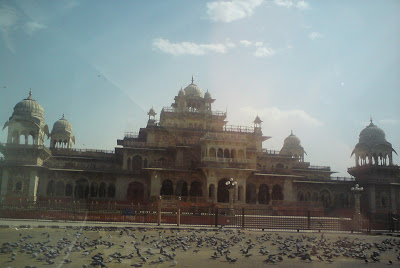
228	11
8	22
245	43
261	50
33	26
315	35
389	121
276	114
189	48
302	5
264	52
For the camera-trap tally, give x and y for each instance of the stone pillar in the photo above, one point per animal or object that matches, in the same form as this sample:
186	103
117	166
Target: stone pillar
155	184
393	199
372	199
270	195
288	191
4	183
257	191
33	186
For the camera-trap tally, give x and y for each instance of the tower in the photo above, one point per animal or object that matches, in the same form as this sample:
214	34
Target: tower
375	171
61	134
24	149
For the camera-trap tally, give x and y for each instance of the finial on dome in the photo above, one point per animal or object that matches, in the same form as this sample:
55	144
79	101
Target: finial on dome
63	117
192	79
370	119
30	94
291	132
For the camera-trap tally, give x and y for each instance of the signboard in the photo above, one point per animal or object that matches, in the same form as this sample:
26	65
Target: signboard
128	212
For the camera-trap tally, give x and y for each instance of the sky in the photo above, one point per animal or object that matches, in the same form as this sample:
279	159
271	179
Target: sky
319	68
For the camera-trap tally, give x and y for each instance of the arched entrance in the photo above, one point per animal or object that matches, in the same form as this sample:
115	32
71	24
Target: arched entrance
325	198
82	189
135	192
195	189
277	192
167	188
251	196
263	194
181	188
222	192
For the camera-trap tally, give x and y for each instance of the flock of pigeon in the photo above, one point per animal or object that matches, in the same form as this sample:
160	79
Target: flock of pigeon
145	247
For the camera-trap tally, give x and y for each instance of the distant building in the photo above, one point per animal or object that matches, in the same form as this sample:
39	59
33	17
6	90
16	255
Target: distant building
190	152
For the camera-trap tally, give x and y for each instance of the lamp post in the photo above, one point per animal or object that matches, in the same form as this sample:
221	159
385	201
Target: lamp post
231	187
357	213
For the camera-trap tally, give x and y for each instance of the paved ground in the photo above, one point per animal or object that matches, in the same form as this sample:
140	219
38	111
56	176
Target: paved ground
81	244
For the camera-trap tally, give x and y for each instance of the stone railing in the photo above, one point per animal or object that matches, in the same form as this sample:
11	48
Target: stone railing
342	178
226	160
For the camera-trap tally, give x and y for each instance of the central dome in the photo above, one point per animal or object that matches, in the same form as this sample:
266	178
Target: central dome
29	107
291	140
62	125
372	135
192	90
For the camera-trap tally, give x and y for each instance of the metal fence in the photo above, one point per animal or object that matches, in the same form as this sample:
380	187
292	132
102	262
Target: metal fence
196	216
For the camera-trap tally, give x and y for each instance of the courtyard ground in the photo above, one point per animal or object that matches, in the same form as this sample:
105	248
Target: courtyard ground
80	244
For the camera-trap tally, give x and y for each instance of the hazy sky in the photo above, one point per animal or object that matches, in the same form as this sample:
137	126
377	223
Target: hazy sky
319	68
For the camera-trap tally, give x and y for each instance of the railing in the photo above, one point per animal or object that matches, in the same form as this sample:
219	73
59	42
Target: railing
166	164
16	145
173	110
218	113
342	178
79	166
273	152
131	135
226	160
66	150
245	129
320	167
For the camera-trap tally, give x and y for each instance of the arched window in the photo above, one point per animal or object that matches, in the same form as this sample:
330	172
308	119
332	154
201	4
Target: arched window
137	163
93	189
222	191
60	188
18	186
277	192
81	188
279	166
102	190
68	189
263	194
111	190
251	195
226	153
167	188
220	153
135	192
50	188
233	153
195	189
212	152
325	198
300	196
181	188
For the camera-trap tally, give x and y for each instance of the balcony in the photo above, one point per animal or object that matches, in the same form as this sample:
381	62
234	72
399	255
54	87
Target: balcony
131	135
240	129
167	165
228	162
342	179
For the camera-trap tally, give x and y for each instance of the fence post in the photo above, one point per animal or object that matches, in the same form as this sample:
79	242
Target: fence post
178	217
159	211
216	217
242	218
308	219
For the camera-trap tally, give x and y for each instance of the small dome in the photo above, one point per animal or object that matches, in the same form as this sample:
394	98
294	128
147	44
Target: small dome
207	95
193	90
181	93
151	112
62	126
372	135
257	120
291	140
29	107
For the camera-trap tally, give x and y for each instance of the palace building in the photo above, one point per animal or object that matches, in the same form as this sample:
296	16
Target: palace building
190	151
